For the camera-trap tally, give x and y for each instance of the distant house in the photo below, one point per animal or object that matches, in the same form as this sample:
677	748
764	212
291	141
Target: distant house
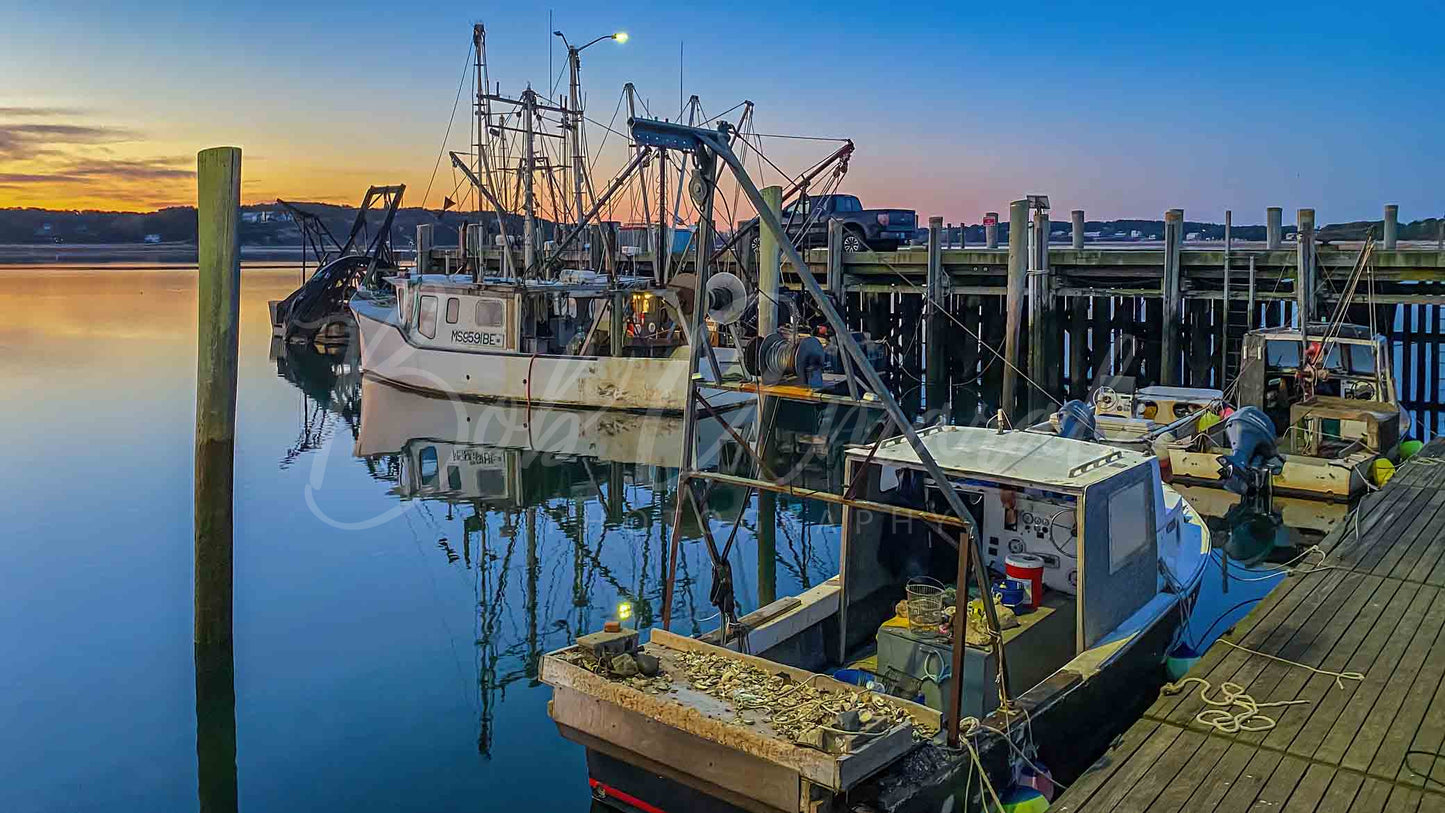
1136	234
1192	236
250	217
151	238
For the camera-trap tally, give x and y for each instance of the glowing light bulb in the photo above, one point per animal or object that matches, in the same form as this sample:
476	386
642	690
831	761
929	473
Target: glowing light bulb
624	610
620	36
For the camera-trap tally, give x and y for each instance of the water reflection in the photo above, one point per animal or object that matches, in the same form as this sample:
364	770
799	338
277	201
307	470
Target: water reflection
556	517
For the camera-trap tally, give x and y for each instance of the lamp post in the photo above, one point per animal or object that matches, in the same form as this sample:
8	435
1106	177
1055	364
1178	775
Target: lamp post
574	116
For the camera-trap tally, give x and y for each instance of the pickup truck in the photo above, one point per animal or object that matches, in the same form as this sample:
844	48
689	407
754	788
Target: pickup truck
806	222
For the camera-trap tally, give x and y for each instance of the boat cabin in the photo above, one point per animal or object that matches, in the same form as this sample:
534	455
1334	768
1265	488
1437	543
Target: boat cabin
1274	376
1093	518
569	316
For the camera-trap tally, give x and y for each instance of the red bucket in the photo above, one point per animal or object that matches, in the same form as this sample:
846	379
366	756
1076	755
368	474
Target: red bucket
1028	571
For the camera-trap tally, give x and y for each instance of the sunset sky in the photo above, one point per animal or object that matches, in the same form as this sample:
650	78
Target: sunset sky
1122	109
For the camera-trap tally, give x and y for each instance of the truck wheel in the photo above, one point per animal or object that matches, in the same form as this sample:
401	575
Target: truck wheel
853	241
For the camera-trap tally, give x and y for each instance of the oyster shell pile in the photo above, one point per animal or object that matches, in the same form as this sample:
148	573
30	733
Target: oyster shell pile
799	711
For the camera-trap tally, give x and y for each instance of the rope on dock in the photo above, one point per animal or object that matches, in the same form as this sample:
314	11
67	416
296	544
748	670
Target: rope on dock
1220	717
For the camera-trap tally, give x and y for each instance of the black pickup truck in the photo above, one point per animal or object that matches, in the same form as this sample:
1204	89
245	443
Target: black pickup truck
806	222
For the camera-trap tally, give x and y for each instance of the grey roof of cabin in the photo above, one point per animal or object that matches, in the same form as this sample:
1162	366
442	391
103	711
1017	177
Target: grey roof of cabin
1017	456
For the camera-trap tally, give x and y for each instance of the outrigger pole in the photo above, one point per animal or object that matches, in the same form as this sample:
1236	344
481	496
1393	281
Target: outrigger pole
705	145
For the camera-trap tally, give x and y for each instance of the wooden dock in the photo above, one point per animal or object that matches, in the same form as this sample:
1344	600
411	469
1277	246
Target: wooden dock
1364	746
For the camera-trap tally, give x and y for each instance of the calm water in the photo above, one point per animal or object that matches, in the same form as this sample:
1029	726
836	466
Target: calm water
388	614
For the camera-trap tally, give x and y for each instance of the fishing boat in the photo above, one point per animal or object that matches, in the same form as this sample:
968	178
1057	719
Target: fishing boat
1314	413
1327	399
555	323
1114	559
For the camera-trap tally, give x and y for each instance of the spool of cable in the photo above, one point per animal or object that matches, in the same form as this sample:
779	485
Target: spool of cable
775	357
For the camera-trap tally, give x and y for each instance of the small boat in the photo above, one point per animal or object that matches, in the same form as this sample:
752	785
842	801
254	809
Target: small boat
1316	429
1114	559
1329	405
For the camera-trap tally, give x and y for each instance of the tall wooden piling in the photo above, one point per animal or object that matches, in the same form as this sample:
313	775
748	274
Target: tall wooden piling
1392	225
933	366
1171	296
1044	345
835	257
1273	230
218	200
1305	270
1076	218
990	229
1018	269
770	266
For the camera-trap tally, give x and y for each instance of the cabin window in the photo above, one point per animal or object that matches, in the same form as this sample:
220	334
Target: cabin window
426	321
454	309
1282	354
1129	530
491	313
429	467
454	478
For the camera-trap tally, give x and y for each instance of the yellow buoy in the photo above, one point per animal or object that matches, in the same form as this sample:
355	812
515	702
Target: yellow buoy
1381	471
1208	419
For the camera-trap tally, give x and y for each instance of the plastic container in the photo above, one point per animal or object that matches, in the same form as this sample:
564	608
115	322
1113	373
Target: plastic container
1027	570
925	605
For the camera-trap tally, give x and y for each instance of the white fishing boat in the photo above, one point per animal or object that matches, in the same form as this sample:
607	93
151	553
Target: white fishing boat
554	322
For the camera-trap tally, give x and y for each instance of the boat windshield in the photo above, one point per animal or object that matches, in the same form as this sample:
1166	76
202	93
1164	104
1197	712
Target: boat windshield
1343	359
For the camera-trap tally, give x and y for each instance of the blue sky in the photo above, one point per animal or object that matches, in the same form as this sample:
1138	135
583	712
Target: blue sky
1122	109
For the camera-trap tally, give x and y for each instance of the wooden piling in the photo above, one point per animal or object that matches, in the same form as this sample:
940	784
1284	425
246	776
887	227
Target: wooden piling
1273	230
1045	345
1077	232
1018	269
770	266
990	229
1392	225
218	200
1171	296
835	256
934	374
1305	279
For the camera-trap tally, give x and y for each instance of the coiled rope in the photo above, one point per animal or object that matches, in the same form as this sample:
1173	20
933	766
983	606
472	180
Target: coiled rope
1220	716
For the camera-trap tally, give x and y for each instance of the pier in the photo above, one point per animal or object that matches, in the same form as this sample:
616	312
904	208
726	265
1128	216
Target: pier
1376	607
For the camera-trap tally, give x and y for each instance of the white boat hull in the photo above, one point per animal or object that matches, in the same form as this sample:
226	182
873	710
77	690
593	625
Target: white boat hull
603	382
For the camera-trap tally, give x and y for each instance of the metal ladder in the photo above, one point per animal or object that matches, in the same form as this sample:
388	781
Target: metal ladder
1239	310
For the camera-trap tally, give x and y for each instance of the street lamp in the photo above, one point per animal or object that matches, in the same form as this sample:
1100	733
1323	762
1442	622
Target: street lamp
574	115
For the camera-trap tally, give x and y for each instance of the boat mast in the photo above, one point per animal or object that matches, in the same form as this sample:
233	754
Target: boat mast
579	164
631	93
529	166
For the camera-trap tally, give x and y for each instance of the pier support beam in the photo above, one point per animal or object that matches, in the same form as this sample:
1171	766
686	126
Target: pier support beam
218	208
1392	224
1077	217
1170	289
1045	346
1305	268
1018	270
935	389
770	264
1273	231
990	229
835	258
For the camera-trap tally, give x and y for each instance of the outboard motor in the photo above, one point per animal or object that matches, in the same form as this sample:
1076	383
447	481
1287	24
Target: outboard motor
1253	458
1075	419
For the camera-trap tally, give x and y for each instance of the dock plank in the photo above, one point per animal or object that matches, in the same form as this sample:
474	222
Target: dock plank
1377	607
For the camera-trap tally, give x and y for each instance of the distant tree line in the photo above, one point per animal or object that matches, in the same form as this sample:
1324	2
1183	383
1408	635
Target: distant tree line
270	225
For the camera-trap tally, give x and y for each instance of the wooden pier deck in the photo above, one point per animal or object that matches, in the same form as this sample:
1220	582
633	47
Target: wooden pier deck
1367	746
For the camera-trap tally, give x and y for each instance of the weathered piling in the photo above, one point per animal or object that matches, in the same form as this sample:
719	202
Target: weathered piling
933	366
1077	231
1044	348
835	256
769	266
1170	288
218	201
1392	225
990	230
1305	279
1273	230
1018	269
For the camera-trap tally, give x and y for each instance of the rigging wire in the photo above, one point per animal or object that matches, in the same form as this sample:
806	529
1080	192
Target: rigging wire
466	67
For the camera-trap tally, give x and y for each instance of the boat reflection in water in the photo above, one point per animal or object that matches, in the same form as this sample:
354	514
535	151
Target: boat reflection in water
1251	534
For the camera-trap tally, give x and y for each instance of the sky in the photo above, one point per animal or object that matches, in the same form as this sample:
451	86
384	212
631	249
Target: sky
1121	109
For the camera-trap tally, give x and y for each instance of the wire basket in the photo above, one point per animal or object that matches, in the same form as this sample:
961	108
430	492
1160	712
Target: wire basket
925	605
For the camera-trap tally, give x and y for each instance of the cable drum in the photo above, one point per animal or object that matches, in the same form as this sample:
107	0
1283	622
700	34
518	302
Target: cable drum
775	357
